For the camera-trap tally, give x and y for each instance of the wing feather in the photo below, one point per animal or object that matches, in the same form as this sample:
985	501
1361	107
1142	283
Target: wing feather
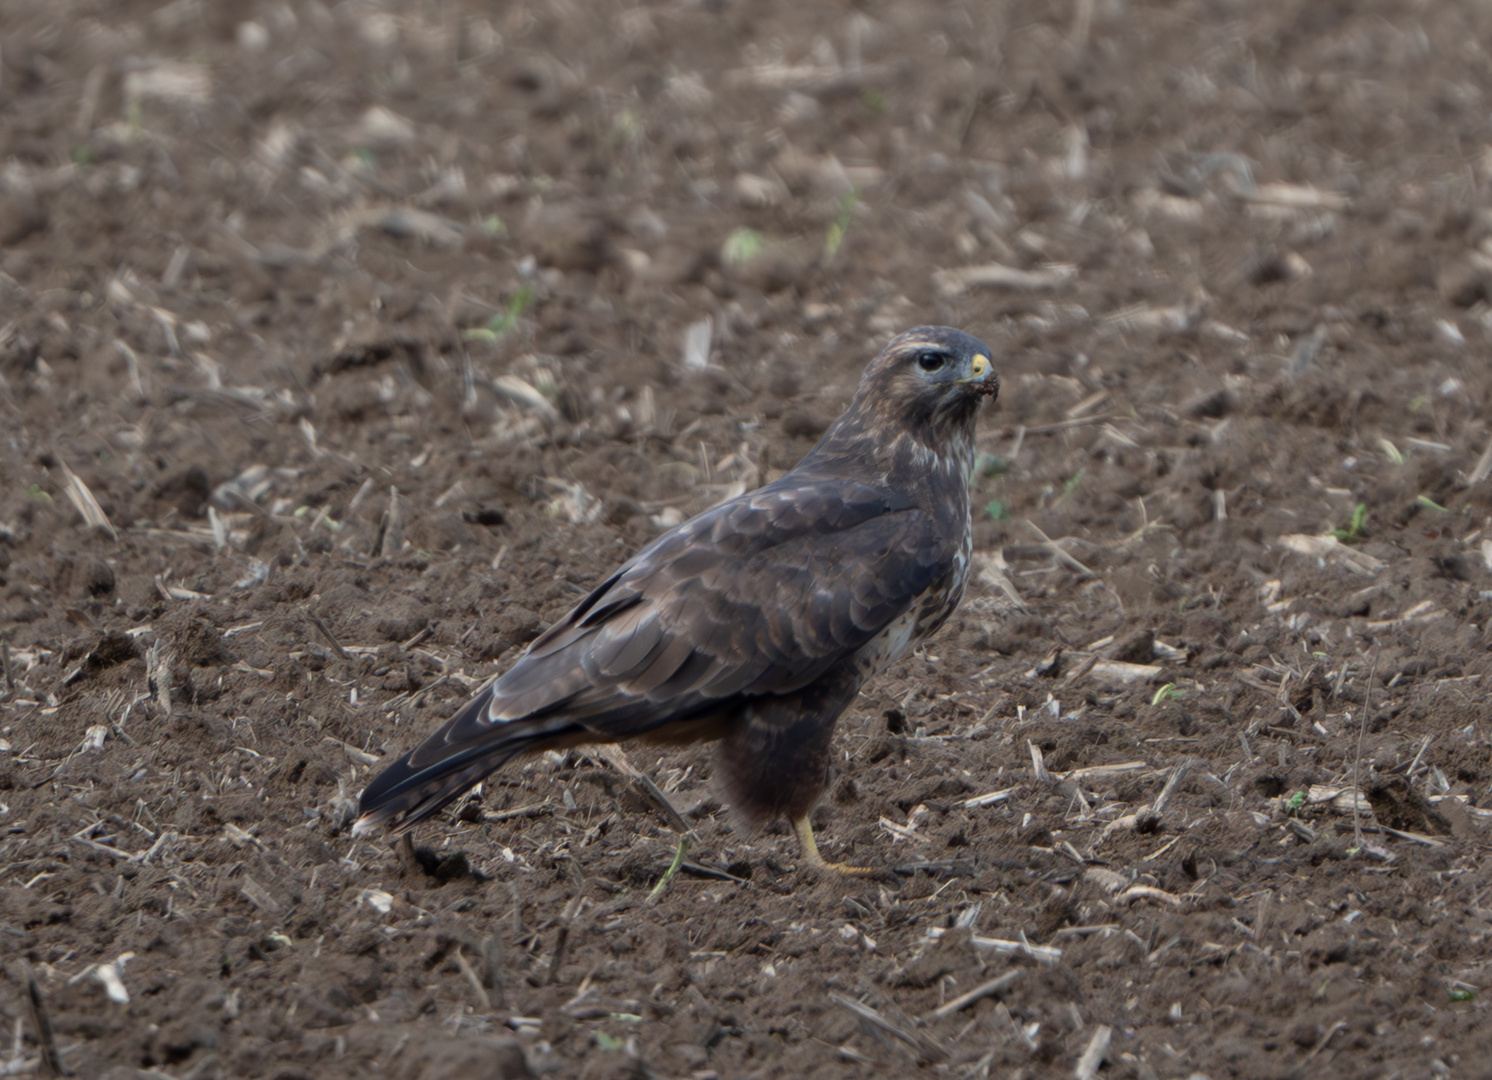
776	573
625	647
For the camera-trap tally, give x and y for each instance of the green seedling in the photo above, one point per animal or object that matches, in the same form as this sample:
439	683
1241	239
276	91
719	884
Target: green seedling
1394	453
1429	504
1296	802
1072	483
990	465
841	225
609	1042
668	875
626	125
1462	995
742	246
996	510
1353	532
1169	692
875	101
492	225
505	321
36	494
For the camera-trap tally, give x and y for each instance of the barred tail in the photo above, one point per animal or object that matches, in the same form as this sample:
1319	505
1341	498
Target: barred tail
402	795
461	754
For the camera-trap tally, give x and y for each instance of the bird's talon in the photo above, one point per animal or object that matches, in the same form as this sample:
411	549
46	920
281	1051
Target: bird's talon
853	871
817	862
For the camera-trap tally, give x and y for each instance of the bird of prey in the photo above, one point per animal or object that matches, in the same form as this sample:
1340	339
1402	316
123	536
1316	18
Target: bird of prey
757	622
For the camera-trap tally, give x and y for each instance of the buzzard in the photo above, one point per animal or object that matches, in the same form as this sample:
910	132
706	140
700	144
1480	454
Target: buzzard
757	622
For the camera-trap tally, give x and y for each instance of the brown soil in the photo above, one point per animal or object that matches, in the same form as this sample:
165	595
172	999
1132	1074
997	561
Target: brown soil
264	263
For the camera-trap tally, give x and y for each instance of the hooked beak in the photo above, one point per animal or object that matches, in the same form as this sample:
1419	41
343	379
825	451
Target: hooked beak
981	372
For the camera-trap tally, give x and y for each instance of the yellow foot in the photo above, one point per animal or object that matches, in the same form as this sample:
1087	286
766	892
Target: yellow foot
811	855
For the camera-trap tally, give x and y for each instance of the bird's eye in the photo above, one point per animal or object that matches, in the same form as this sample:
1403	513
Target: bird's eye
931	361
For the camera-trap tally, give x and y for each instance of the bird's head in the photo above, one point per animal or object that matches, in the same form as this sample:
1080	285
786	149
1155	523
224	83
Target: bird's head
929	382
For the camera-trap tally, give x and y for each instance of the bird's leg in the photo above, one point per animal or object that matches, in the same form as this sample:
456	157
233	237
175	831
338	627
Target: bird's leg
804	830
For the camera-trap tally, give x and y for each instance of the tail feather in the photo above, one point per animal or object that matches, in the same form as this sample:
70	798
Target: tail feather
402	795
463	752
484	734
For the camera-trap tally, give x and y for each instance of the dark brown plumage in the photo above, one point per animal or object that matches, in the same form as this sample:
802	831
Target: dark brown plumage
757	622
